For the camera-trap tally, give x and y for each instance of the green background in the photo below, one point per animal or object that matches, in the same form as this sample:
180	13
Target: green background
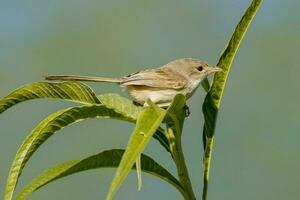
256	154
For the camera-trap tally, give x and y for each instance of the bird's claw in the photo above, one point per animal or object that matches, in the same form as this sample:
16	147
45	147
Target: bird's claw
187	111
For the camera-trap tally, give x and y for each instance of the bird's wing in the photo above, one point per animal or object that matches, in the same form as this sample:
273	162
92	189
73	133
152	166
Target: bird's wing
158	78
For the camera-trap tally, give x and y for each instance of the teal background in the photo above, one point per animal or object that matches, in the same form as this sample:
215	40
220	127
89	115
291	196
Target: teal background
256	153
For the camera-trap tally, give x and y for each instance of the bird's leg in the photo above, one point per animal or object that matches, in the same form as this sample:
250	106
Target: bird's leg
187	110
136	103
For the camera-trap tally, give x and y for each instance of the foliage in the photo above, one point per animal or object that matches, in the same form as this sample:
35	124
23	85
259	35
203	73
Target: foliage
148	123
106	159
213	98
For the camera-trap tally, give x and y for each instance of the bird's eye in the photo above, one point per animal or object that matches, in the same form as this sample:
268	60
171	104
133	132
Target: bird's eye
200	68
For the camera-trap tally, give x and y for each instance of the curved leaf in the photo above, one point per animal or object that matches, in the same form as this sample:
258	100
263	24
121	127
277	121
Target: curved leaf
72	91
147	123
106	159
176	114
120	105
47	128
213	98
205	84
77	92
162	139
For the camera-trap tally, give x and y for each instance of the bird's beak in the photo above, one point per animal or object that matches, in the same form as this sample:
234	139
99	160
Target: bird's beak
216	69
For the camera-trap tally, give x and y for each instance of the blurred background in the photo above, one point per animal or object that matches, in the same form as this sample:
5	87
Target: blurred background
256	153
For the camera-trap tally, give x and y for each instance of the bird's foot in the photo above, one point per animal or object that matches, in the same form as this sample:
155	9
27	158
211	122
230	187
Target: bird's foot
187	111
136	103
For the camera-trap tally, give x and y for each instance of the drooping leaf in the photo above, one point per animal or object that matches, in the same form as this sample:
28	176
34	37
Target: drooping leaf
72	91
147	123
106	159
213	98
47	128
120	105
77	92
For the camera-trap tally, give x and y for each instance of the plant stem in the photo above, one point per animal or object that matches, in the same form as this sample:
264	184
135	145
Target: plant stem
176	149
206	165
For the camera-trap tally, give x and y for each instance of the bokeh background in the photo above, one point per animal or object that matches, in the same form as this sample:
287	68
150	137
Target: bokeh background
256	154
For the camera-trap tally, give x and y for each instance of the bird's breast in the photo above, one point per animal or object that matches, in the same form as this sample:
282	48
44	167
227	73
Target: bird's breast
191	87
160	96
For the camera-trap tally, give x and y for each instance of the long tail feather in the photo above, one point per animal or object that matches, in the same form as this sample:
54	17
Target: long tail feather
81	78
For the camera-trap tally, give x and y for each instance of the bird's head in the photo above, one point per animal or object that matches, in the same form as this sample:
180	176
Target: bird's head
192	69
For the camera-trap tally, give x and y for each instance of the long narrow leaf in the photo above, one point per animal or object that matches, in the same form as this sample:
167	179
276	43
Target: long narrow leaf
47	128
72	91
106	159
213	98
146	125
77	92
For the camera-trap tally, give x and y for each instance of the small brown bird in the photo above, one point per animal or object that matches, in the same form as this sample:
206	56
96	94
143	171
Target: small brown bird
159	84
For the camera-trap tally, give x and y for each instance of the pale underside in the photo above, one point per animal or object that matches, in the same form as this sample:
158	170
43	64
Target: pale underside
160	85
161	96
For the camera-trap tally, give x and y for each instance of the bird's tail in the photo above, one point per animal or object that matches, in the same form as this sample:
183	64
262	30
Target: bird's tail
81	78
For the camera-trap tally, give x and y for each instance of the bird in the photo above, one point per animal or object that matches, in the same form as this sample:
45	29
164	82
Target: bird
160	85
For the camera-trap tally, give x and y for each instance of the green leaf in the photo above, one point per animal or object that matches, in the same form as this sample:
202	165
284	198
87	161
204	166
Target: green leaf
76	92
47	128
176	114
120	105
127	108
174	119
106	159
147	123
72	91
205	84
213	98
162	139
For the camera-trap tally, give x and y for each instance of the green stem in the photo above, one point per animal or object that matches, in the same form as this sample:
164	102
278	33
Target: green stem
206	165
176	149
